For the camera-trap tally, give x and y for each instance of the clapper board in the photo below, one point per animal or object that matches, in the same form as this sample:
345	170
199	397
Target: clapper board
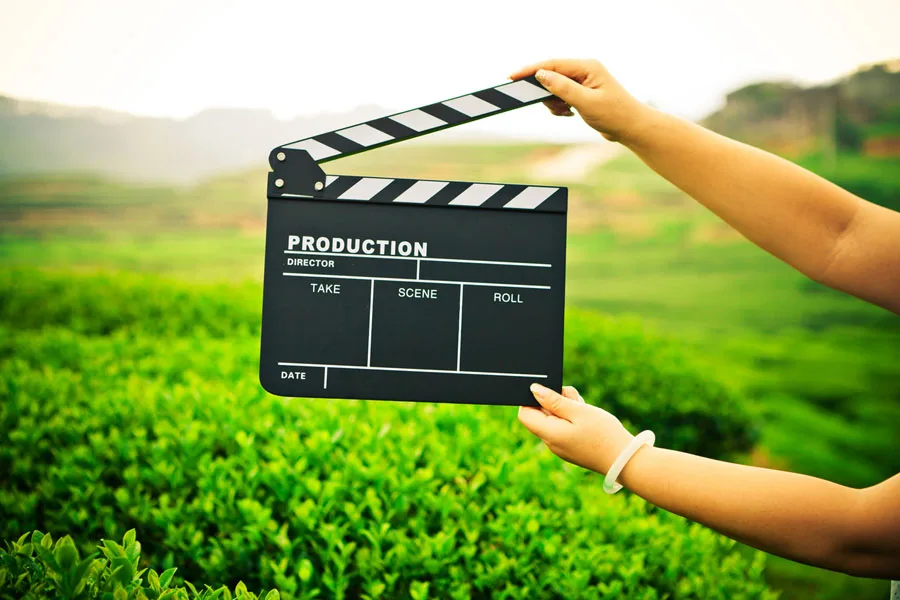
408	289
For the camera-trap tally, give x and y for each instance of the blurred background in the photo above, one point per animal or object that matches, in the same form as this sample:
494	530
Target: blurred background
133	146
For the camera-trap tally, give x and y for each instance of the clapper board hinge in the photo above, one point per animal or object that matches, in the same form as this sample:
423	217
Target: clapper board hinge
294	173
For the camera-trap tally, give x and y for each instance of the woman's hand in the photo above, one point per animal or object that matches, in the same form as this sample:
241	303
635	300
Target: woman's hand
576	432
587	86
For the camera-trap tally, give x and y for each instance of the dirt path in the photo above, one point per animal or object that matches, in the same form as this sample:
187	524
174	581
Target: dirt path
575	162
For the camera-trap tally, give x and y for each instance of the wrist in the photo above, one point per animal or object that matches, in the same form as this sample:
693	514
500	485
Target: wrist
644	123
616	442
631	471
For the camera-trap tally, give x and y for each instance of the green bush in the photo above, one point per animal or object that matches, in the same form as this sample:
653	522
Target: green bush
649	383
166	430
101	303
645	380
34	567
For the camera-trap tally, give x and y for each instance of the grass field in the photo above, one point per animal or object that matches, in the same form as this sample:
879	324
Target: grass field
821	369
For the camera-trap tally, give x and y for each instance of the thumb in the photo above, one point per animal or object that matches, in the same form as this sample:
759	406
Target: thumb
562	87
557	404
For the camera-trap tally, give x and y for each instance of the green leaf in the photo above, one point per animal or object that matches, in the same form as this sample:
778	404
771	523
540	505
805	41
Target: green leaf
305	571
129	538
153	580
166	577
112	549
79	576
66	554
122	570
418	590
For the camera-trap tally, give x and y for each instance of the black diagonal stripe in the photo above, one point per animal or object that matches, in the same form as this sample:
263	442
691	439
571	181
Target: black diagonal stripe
557	202
498	99
503	195
393	128
449	192
393	189
339	142
340	185
445	113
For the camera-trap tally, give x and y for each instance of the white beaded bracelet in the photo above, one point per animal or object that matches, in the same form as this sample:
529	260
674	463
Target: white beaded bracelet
610	486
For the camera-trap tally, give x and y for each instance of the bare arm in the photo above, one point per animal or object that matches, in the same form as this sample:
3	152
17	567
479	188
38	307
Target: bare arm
802	518
820	229
798	517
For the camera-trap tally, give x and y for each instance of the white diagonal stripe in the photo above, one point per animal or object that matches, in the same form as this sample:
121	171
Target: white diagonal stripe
365	135
421	191
471	106
523	91
418	120
365	188
530	197
329	179
317	150
476	194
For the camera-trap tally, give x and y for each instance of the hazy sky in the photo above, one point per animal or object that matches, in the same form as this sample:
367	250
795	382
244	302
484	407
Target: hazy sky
176	57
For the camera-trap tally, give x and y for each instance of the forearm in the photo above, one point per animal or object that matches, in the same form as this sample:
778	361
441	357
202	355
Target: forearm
802	518
823	231
788	211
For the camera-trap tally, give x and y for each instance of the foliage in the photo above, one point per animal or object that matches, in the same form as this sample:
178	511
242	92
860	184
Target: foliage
100	303
129	423
818	365
34	567
848	134
649	382
668	392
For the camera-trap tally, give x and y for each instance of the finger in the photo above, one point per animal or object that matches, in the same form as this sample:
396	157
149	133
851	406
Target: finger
537	422
575	68
572	394
554	102
562	113
558	107
557	404
571	92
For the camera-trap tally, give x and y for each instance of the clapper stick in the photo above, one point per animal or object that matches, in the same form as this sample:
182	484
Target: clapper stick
421	121
373	289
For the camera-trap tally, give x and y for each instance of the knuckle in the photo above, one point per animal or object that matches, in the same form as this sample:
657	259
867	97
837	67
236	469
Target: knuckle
555	403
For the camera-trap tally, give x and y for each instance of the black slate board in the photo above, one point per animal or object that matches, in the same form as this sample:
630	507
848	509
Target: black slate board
475	320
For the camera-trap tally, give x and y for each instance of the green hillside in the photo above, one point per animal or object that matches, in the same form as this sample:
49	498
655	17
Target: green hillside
129	395
856	113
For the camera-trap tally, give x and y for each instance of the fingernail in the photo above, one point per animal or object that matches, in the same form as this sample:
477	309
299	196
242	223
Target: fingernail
538	389
542	75
568	113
